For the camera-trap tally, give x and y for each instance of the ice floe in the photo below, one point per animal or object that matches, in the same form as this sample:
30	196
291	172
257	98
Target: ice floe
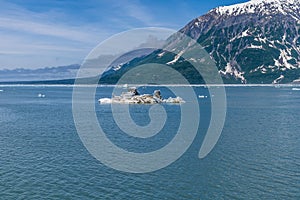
202	96
41	95
296	89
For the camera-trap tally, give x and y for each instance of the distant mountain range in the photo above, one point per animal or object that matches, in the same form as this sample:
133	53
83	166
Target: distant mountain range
254	42
42	74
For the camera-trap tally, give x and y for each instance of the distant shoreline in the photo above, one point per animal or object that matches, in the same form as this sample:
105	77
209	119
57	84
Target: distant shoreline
147	85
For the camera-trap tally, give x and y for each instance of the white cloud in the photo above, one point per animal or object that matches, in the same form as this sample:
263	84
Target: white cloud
137	11
38	38
134	9
52	30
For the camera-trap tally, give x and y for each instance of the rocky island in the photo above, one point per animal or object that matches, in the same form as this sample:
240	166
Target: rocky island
132	96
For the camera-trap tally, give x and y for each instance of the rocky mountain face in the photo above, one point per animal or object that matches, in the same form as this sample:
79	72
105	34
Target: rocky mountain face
253	42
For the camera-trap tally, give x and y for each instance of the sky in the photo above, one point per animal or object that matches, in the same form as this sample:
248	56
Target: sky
37	34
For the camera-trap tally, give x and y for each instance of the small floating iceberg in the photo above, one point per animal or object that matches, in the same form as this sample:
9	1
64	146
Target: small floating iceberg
105	101
133	97
296	89
1	90
174	100
202	96
41	95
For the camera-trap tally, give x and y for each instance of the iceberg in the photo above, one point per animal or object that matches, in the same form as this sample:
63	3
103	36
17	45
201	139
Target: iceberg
296	89
133	97
41	95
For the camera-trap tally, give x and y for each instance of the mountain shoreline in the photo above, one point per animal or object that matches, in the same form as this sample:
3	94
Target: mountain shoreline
70	82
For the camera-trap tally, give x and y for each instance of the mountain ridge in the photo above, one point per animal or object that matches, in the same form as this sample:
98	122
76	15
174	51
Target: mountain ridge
269	28
40	74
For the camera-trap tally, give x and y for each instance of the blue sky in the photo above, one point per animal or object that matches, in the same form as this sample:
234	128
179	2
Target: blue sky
36	34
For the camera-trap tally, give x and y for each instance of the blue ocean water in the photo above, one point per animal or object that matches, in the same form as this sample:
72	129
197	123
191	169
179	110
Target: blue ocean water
256	157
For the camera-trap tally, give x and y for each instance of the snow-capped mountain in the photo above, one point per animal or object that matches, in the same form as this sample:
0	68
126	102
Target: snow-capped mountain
253	42
262	7
257	41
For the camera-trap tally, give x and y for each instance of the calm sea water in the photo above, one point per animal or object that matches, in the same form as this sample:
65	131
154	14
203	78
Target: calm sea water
257	156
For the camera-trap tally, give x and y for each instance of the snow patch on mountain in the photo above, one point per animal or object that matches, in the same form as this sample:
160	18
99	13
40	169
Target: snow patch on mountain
284	58
176	58
279	79
232	71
